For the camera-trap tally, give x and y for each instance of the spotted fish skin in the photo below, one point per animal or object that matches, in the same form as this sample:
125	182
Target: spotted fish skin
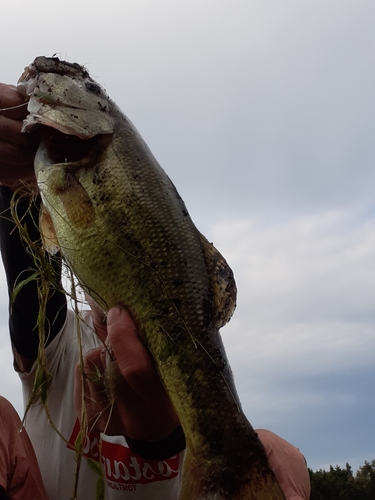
128	237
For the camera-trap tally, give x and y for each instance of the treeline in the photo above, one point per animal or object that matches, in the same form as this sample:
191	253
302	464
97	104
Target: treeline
342	484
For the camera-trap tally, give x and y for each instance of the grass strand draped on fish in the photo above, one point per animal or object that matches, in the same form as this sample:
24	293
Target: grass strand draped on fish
126	233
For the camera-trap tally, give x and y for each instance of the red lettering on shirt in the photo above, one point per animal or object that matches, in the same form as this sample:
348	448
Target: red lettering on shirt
121	465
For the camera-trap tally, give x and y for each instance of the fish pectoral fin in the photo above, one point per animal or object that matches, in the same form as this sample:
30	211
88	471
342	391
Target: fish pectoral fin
222	283
47	231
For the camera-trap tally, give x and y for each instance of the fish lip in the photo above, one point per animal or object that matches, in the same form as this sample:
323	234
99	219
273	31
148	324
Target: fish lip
42	64
41	121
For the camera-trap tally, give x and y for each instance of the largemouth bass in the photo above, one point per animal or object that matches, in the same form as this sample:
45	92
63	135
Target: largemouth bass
128	237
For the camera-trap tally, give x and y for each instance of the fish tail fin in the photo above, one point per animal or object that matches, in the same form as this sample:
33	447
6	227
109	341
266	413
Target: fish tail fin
210	481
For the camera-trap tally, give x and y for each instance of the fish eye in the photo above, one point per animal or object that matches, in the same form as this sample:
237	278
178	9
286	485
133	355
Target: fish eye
93	87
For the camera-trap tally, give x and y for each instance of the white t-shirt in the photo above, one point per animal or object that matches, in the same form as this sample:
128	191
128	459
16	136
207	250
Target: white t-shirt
128	476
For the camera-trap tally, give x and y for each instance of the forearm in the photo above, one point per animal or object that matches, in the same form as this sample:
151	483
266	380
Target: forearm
19	265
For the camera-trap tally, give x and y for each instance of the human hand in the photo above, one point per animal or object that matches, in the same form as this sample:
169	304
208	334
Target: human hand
142	409
17	150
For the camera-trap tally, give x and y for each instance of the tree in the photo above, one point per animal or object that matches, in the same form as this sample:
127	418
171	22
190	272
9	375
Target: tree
366	476
341	484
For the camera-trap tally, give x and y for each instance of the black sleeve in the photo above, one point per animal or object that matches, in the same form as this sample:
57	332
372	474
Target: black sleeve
159	450
18	265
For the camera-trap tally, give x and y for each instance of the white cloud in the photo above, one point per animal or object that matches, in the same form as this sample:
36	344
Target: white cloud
308	269
305	321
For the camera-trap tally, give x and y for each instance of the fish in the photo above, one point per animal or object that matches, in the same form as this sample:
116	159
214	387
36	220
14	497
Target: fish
126	233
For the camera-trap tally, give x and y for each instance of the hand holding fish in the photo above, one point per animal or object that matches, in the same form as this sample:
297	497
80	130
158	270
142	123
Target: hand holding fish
17	150
142	411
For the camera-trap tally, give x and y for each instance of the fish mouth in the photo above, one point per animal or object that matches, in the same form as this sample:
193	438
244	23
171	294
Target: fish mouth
68	149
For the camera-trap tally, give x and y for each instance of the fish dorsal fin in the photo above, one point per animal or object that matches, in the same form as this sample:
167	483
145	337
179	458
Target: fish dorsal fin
222	283
47	230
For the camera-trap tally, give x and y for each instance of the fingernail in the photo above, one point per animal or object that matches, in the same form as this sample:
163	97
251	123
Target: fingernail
114	315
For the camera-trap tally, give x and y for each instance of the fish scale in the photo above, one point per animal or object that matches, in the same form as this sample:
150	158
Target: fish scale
128	237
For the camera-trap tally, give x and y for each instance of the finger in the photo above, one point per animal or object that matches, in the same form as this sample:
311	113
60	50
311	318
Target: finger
13	155
16	175
10	131
11	98
134	361
83	400
157	417
98	407
95	398
16	163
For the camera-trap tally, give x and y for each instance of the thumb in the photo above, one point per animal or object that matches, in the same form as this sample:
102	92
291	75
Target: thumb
117	317
120	324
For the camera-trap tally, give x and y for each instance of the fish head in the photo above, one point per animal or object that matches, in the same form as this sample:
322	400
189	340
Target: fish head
76	121
73	113
63	96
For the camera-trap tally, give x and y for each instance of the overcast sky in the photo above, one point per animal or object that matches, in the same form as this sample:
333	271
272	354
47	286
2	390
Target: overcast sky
262	113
